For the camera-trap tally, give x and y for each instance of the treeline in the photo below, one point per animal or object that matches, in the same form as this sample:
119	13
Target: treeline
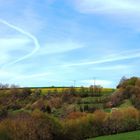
7	86
78	126
128	88
95	90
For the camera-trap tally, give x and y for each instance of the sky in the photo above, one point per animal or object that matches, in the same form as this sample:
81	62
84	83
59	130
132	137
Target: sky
57	42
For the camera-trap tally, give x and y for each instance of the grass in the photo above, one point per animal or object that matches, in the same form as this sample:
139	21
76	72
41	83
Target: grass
126	103
123	136
88	100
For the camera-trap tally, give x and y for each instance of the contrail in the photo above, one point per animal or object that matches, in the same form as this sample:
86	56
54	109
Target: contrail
29	35
117	57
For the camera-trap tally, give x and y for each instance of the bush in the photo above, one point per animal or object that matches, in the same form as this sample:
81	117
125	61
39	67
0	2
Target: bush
30	127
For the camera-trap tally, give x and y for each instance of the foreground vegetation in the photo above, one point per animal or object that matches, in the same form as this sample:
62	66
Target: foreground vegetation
69	113
125	136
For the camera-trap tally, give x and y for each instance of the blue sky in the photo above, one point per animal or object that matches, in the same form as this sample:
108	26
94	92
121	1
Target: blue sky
54	42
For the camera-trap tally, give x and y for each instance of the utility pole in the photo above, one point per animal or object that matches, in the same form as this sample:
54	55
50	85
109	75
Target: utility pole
94	80
94	86
74	83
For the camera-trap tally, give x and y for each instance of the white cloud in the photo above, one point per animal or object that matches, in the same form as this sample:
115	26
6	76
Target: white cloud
113	67
11	44
125	13
108	6
28	35
32	76
59	47
6	74
104	83
114	57
8	44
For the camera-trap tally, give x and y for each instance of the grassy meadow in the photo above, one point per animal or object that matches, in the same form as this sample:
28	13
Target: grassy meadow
124	136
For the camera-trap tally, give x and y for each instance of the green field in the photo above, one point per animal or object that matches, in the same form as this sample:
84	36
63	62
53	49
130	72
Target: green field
45	90
60	89
124	136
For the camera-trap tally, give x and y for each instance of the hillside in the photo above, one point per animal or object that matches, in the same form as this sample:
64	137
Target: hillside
72	113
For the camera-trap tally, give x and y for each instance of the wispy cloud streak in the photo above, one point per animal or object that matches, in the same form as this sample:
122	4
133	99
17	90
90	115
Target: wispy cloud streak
116	57
32	37
105	83
31	76
108	6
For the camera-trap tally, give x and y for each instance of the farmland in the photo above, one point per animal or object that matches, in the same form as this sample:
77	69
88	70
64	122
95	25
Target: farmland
45	90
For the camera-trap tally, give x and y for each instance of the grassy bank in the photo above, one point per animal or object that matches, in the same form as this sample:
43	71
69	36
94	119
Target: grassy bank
124	136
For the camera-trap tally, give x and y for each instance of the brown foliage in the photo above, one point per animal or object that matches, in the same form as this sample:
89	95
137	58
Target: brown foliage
55	102
76	115
27	128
